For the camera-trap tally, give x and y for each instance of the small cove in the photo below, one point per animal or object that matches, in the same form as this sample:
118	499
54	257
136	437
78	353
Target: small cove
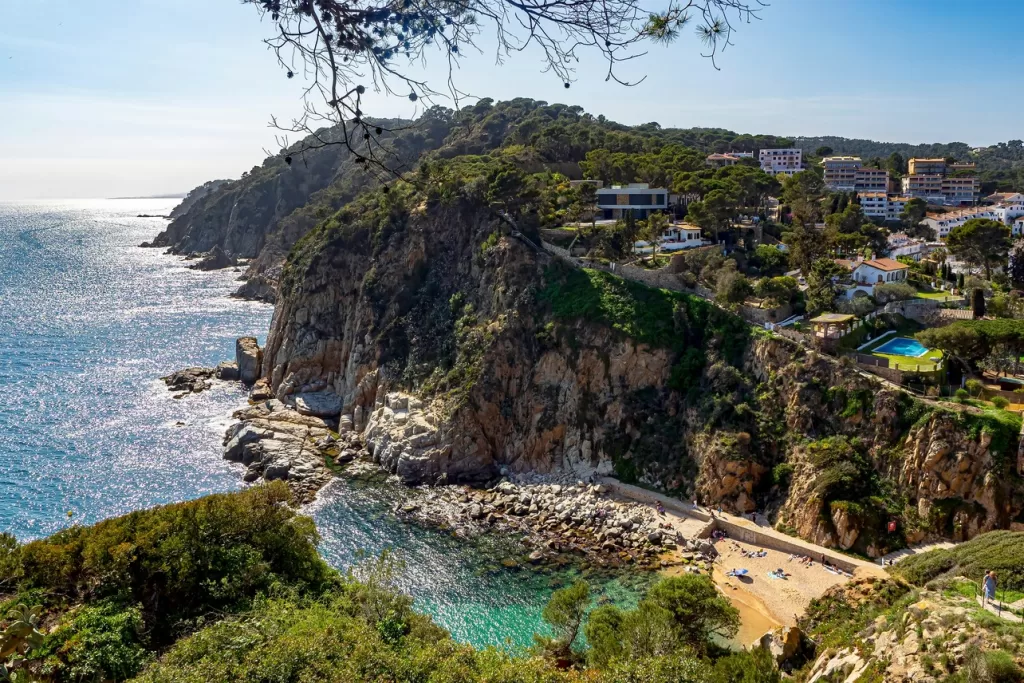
91	321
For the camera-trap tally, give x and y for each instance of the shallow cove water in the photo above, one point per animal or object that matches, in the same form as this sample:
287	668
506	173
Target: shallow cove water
89	321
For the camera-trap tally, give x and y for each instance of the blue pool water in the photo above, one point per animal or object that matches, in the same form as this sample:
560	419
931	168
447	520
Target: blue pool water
902	346
89	321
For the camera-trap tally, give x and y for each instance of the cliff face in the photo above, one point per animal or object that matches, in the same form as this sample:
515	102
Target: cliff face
457	350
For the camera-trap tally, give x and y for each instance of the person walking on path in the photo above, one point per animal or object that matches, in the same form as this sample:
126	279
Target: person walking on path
988	588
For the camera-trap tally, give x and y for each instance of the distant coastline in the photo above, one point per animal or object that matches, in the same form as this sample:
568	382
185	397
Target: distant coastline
176	195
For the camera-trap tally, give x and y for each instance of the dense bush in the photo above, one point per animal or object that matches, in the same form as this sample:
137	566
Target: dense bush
181	561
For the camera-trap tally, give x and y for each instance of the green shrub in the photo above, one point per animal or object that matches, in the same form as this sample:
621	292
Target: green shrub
1000	402
961	394
183	560
782	473
104	641
1002	668
10	561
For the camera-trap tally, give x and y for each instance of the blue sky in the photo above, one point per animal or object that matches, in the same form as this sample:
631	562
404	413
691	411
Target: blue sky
149	96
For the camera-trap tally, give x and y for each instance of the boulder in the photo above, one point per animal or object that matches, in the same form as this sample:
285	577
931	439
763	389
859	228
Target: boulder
249	359
261	391
227	371
243	437
317	404
277	470
189	379
215	259
784	643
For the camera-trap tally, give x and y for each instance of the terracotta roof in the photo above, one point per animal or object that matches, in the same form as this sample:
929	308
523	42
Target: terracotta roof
885	264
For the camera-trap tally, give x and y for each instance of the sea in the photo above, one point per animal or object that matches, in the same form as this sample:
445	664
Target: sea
89	322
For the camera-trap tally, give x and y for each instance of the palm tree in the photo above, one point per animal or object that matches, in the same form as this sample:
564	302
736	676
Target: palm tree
656	224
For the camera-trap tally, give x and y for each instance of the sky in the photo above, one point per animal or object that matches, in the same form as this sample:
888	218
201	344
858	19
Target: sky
140	97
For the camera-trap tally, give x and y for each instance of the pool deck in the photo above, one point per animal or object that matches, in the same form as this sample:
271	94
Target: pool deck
930	361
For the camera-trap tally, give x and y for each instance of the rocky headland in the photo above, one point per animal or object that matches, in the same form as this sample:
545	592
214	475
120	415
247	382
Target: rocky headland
425	327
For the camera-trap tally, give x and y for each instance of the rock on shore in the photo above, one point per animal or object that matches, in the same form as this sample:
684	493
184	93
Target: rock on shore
190	380
215	259
274	441
556	522
249	358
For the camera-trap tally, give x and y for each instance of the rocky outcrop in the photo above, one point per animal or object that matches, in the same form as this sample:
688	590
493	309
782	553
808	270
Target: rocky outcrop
190	380
227	370
276	442
555	520
259	287
215	259
935	637
248	359
787	644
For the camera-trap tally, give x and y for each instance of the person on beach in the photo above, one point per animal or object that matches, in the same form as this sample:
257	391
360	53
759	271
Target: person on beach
988	588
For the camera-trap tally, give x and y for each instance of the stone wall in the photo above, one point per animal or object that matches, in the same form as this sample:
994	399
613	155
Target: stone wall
766	538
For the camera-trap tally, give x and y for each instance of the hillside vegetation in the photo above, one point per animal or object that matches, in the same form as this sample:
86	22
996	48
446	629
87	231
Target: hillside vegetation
230	588
1000	551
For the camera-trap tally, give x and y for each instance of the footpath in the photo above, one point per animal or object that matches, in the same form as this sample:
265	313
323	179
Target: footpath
997	608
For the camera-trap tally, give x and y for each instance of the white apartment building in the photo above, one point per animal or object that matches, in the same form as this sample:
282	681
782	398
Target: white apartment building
896	206
871	180
942	223
882	205
784	161
929	179
874	204
841	173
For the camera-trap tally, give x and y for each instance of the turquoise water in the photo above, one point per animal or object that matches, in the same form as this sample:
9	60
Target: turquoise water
902	346
88	322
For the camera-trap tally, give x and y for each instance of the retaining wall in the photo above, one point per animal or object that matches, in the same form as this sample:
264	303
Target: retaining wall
739	530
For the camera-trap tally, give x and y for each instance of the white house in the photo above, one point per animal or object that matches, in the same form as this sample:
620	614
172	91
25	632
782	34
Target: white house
880	271
943	223
639	199
674	238
1018	227
1005	198
900	244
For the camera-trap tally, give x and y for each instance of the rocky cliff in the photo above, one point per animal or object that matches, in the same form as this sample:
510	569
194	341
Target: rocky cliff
457	350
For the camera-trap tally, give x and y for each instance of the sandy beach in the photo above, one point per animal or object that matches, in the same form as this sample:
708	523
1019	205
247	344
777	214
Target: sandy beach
785	599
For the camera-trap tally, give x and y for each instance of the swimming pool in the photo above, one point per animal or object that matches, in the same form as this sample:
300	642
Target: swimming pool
902	346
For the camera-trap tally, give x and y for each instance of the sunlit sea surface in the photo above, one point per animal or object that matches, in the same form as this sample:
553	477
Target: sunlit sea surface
89	322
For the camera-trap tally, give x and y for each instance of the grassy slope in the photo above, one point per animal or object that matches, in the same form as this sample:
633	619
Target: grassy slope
1002	551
